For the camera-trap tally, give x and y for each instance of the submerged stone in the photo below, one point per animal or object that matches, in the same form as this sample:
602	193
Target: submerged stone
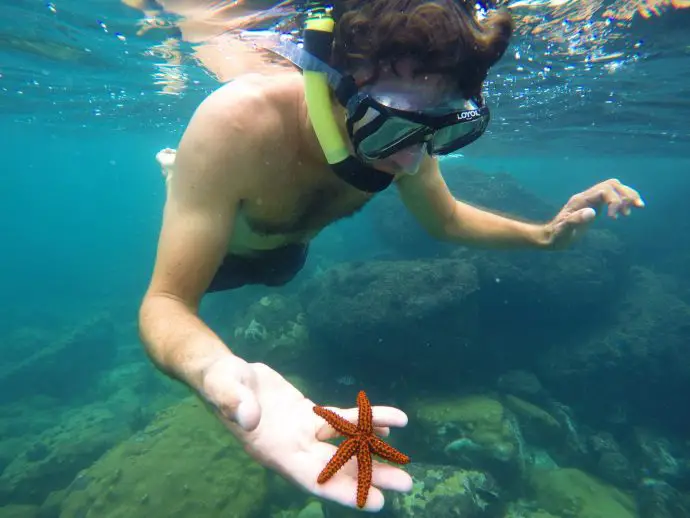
186	463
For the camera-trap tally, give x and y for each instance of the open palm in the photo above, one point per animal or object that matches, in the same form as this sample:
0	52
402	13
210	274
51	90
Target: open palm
289	439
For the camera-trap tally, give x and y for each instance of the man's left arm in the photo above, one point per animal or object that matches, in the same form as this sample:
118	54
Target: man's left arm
428	198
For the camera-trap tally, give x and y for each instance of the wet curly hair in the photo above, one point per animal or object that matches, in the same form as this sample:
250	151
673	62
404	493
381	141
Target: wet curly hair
442	36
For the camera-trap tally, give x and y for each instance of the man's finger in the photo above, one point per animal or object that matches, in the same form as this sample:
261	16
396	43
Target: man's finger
581	217
391	478
631	196
384	417
594	197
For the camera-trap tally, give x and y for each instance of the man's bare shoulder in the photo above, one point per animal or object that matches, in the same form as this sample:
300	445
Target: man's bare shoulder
239	127
263	100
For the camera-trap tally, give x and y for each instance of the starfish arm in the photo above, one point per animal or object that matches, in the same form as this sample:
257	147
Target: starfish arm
345	452
365	424
364	474
341	425
386	451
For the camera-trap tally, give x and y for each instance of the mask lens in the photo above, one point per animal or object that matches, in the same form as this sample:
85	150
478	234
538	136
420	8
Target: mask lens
388	138
451	138
383	130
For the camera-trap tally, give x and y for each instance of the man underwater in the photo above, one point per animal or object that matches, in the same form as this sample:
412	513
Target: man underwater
268	161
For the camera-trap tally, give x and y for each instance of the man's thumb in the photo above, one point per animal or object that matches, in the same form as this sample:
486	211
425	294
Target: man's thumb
571	225
227	387
581	217
248	411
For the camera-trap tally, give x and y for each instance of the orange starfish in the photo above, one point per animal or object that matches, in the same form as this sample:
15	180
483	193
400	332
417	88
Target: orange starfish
360	441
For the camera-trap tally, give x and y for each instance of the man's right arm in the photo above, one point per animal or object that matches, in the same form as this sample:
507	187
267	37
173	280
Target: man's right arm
203	194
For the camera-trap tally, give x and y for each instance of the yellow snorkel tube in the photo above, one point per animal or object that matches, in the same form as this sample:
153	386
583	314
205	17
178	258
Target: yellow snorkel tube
318	41
319	26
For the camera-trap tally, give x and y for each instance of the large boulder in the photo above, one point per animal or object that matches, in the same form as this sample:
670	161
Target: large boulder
63	368
185	463
574	493
49	461
636	368
413	317
555	291
472	432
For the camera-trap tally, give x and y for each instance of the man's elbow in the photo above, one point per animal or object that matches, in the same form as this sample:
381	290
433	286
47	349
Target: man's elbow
448	229
146	317
151	310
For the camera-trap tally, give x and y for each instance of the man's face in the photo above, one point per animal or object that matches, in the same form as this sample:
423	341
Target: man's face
406	91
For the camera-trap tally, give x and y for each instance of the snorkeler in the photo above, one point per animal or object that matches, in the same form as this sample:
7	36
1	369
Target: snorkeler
268	161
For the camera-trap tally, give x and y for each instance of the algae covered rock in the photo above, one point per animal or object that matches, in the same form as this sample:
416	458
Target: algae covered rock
658	499
525	509
522	383
634	369
473	432
572	493
65	368
448	492
272	330
185	463
52	459
19	511
537	423
408	315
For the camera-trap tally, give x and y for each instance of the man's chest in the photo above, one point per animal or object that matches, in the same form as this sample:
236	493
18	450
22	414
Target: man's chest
303	208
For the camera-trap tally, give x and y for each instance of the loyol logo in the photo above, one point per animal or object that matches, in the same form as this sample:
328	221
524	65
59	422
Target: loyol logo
471	114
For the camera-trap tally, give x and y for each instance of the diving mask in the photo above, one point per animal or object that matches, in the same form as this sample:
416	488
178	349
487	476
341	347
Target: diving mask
378	126
381	125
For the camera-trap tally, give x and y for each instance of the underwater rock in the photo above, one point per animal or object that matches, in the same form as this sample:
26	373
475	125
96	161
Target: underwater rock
525	509
521	383
185	463
611	464
273	330
379	319
572	493
662	457
58	454
448	492
637	368
19	511
658	499
558	289
63	368
537	424
473	432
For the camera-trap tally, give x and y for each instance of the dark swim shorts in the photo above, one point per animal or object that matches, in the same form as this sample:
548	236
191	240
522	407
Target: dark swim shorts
269	267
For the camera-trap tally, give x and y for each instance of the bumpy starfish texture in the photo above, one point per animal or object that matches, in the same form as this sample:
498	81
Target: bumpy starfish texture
361	442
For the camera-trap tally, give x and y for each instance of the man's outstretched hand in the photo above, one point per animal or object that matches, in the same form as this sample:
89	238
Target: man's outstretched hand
279	428
574	218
